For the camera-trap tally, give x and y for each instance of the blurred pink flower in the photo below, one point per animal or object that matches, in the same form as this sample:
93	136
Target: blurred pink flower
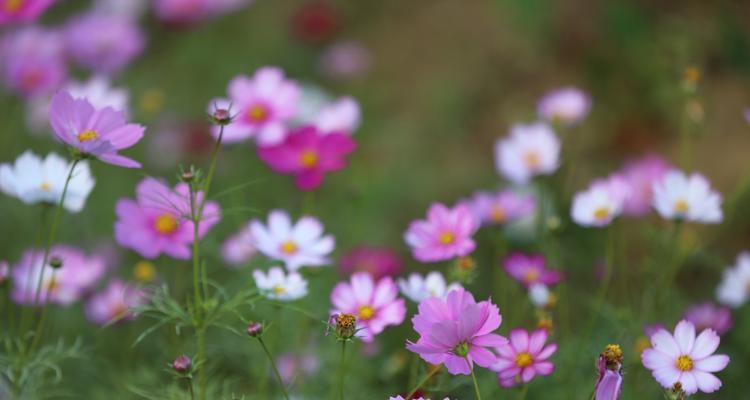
446	233
377	261
308	154
103	43
293	366
529	150
600	204
192	11
92	132
680	196
709	316
65	285
375	304
456	331
501	207
640	176
340	116
239	248
115	302
22	10
32	61
4	271
685	359
650	329
568	105
262	104
345	60
524	357
158	221
530	269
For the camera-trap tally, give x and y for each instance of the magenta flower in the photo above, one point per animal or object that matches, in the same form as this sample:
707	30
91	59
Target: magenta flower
308	155
501	207
685	359
709	316
158	221
456	331
32	61
22	10
77	274
446	233
104	42
377	261
609	384
525	356
92	132
375	304
640	175
192	11
115	302
531	269
263	105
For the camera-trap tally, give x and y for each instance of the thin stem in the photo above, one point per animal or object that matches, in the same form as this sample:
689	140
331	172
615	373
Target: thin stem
476	385
275	368
601	296
421	383
190	389
342	370
524	391
202	357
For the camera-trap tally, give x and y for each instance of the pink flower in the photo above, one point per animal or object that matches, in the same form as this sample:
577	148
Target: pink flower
158	221
192	11
529	150
530	269
115	302
22	10
345	60
524	357
377	261
709	316
609	384
340	116
568	105
501	207
65	285
685	359
32	61
92	132
4	271
104	43
456	331
640	175
263	105
308	155
239	248
446	233
375	304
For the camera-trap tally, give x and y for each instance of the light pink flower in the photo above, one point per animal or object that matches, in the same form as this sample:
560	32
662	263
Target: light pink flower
446	233
115	302
375	304
239	248
524	357
709	315
341	116
640	176
22	10
501	207
193	11
32	61
530	269
103	43
345	60
685	359
568	105
529	150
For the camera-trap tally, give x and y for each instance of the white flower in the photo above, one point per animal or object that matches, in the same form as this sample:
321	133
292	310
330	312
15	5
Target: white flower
342	115
100	93
301	244
418	288
566	105
597	206
530	150
277	285
33	180
539	295
734	289
678	196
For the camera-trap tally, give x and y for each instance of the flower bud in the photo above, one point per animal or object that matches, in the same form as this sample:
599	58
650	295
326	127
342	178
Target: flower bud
344	325
182	364
609	384
254	329
56	262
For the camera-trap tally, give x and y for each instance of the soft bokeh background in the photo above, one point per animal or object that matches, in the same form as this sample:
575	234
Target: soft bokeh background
446	79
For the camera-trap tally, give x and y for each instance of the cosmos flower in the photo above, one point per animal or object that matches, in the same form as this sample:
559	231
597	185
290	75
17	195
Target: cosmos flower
342	116
77	275
375	304
530	269
345	60
640	176
93	132
734	289
598	205
193	11
685	359
709	316
529	150
308	154
115	303
609	384
35	180
103	43
22	10
457	331
524	357
277	285
4	271
32	61
568	105
540	295
445	234
418	288
298	245
239	248
158	220
377	261
501	207
293	365
262	104
682	197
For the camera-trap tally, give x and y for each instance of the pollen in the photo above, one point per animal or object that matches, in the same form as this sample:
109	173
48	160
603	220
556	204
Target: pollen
601	213
684	363
288	247
308	158
88	135
52	285
532	159
681	206
524	359
166	224
612	353
366	312
257	113
497	214
447	238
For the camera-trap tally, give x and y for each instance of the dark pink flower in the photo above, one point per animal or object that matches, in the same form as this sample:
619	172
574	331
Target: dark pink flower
524	357
456	331
22	10
709	316
531	269
377	261
308	155
445	234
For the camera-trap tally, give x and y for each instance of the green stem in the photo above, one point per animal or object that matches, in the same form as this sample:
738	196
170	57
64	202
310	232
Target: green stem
342	370
275	368
524	391
190	389
202	359
421	383
476	385
601	296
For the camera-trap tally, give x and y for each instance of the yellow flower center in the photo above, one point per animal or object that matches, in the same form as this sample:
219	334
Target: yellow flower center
46	186
497	214
601	213
684	363
52	285
144	271
532	159
278	289
12	5
366	312
447	238
681	206
288	247
166	224
308	158
524	359
87	136
257	113
531	276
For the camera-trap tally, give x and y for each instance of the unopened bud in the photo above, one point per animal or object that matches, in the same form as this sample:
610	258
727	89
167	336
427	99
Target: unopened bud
56	263
254	329
182	364
187	176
